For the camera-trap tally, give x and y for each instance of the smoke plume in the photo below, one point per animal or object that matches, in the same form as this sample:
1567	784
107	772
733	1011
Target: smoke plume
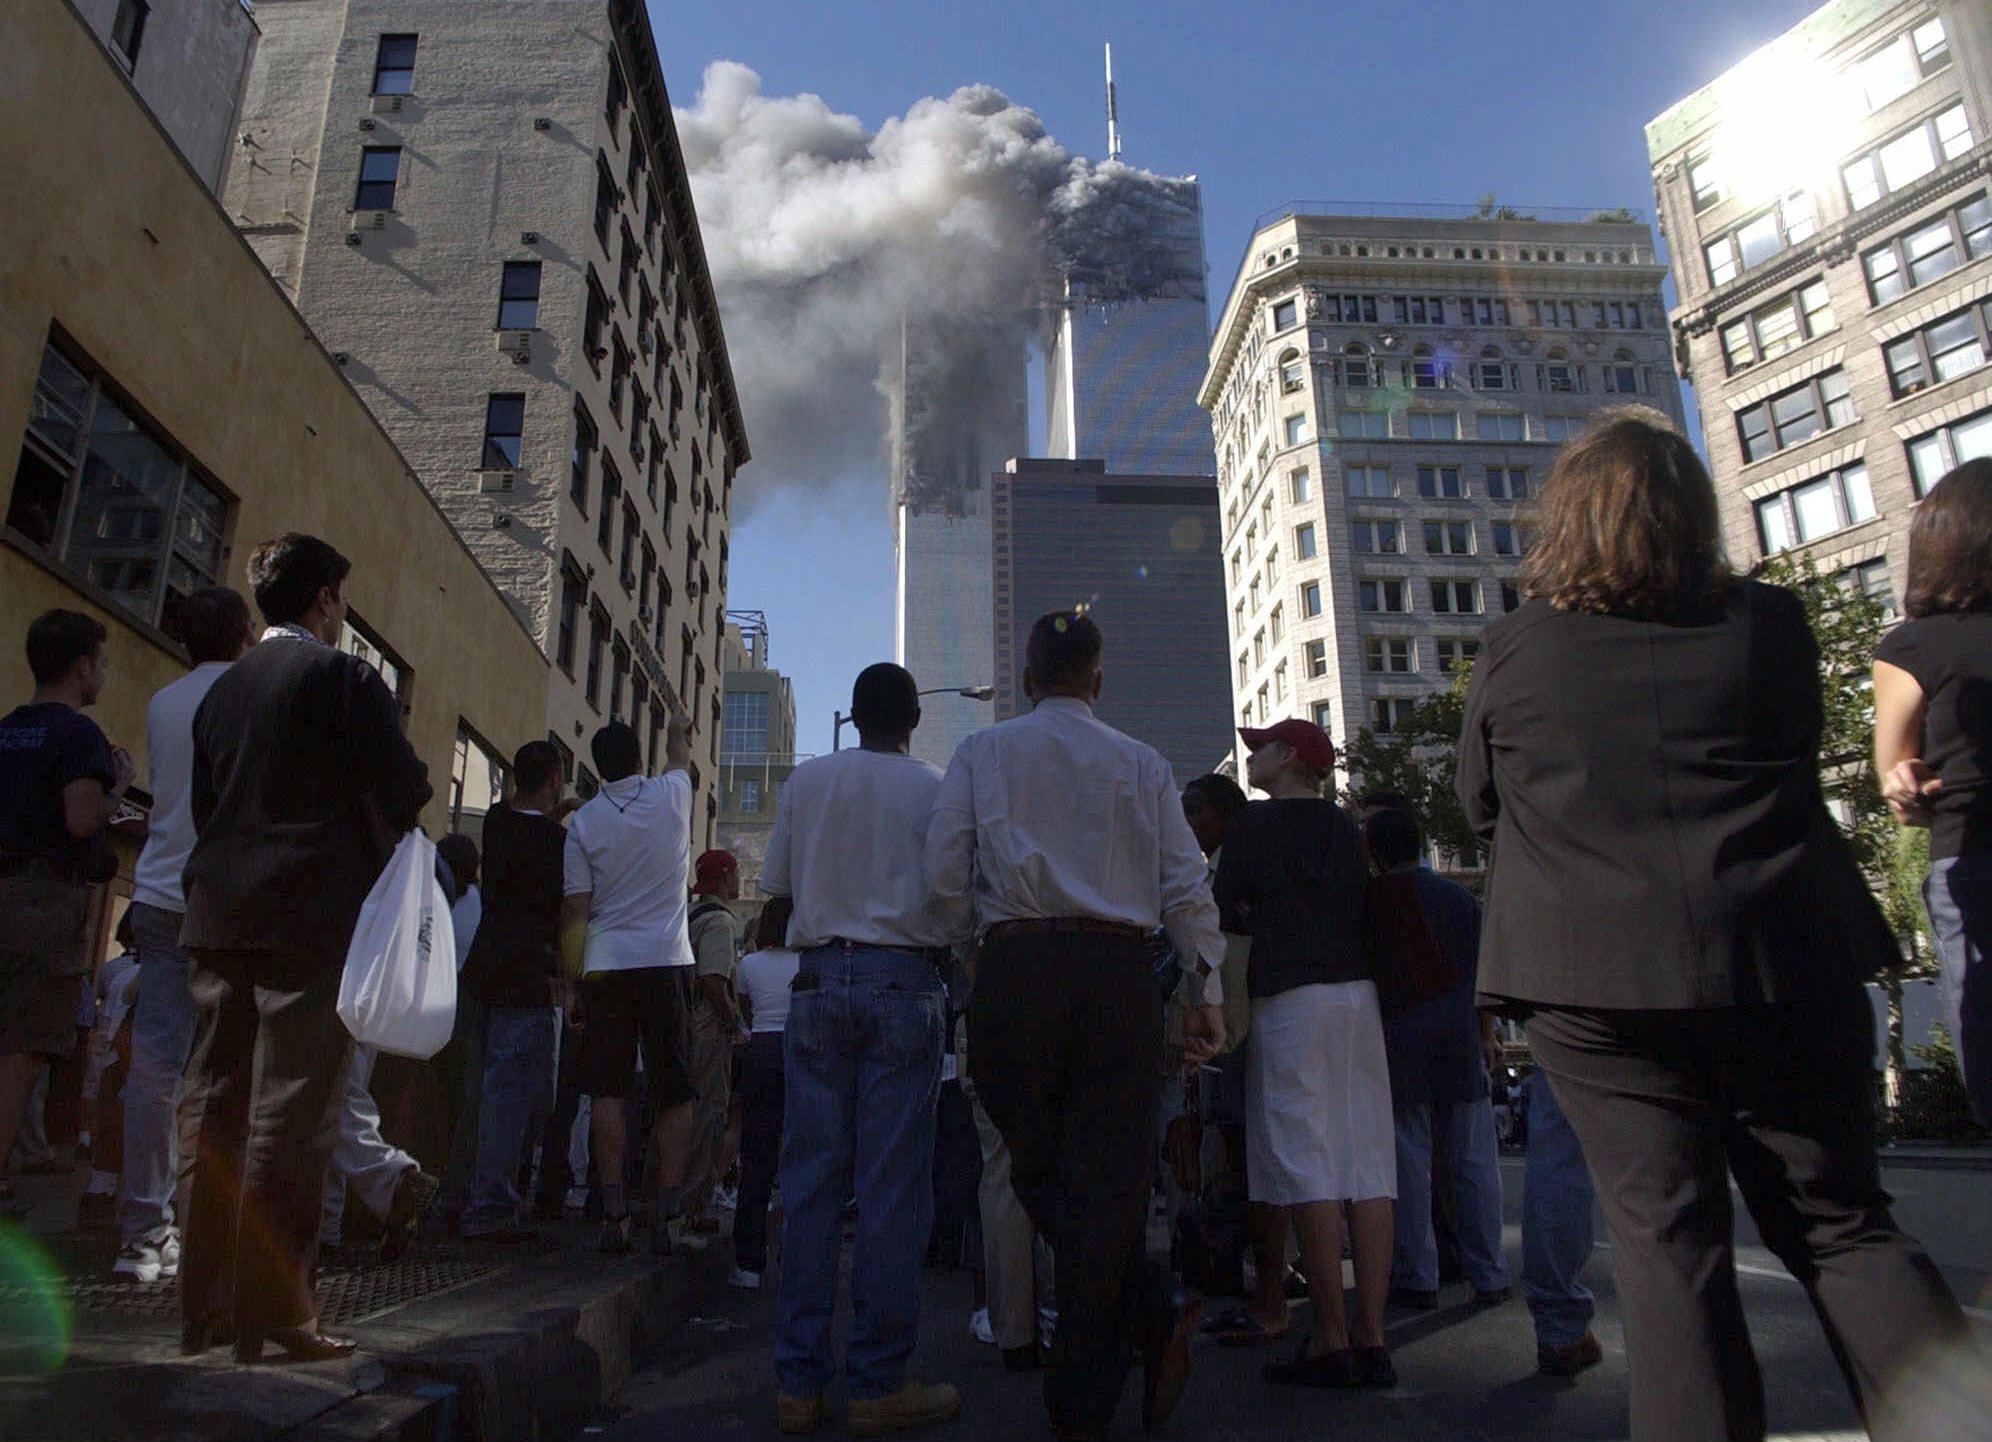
955	222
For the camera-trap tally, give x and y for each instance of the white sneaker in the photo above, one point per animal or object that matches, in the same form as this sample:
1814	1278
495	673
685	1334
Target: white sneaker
152	1258
1047	1320
745	1280
725	1198
979	1328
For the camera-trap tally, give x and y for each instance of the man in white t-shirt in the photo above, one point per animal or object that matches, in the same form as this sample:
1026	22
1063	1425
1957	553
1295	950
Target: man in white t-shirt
215	625
628	865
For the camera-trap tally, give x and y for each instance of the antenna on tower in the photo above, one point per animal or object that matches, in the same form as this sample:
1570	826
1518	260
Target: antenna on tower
1113	110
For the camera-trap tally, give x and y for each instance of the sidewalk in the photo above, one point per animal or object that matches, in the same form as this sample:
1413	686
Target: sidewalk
1936	1157
459	1343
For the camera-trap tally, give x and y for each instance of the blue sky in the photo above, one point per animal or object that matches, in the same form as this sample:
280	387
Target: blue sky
1541	102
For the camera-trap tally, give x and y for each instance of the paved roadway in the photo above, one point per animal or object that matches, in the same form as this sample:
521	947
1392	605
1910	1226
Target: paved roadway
1467	1375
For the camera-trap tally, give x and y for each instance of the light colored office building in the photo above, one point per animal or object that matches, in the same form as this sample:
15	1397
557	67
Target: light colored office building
756	749
483	211
1832	255
1384	392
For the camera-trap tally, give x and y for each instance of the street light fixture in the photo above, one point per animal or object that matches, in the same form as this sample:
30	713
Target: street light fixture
973	693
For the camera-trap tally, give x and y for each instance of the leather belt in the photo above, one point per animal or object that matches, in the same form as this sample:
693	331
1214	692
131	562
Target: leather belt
1066	925
936	955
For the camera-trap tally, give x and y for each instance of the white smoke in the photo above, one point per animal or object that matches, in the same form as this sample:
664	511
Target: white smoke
828	242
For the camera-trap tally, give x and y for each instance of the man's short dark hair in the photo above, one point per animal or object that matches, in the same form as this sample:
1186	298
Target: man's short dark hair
1393	837
213	622
58	639
886	699
1064	649
1216	792
287	574
617	751
460	853
535	764
1379	797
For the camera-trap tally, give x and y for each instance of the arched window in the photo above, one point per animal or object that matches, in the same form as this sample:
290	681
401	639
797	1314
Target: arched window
1622	375
1427	373
1357	369
1557	373
1293	371
1490	372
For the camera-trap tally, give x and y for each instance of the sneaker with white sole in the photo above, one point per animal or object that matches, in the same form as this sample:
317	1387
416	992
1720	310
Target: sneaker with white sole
154	1257
979	1328
745	1280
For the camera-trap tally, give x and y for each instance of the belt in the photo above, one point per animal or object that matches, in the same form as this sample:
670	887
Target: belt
1065	925
936	955
40	866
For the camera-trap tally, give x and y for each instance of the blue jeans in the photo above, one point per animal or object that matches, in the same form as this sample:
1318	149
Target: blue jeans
1959	897
1557	1203
471	1017
513	1103
1465	1130
862	1068
162	1034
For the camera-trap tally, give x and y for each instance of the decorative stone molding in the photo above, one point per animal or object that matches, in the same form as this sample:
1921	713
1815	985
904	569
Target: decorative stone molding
1785	379
1785	479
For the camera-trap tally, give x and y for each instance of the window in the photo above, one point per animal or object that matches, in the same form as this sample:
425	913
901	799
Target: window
585	440
1622	376
1483	310
1357	371
1238	619
1316	654
1934	455
1456	598
605	518
1272	566
1932	249
1456	651
594	322
626	273
1244	669
1265	708
1286	315
1293	373
1785	324
1507	483
1369	481
111	498
1310	599
1434	426
1387	713
1297	430
1511	596
605	200
1704	181
1448	538
1785	224
618	374
1899	66
1300	487
518	295
380	165
1557	374
1871	578
1252	592
1387	654
598	640
1381	597
573	592
1304	542
1350	309
627	560
394	64
1377	538
504	424
128	32
1908	157
1795	415
361	641
1956	345
1364	425
1418	310
1491	372
1500	426
618	96
1437	483
1561	428
1324	713
1259	647
1509	539
1276	623
1428	373
1819	507
1280	682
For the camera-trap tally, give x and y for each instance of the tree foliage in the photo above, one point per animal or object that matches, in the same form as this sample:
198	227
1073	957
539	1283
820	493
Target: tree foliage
1417	758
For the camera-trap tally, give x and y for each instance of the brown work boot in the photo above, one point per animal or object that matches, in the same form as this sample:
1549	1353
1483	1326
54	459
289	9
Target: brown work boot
1165	1357
1569	1361
917	1404
798	1414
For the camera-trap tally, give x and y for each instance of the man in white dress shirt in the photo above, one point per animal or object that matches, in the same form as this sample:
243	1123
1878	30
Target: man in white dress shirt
861	1060
1071	841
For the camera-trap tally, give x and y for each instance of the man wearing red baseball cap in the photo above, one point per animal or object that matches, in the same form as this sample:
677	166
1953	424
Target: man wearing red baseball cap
715	1025
1307	741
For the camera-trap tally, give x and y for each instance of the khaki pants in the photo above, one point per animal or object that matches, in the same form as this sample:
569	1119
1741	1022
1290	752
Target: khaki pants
1017	1264
712	1076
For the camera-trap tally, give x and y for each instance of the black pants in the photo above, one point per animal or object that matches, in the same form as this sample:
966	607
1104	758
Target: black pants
1065	1047
761	1096
260	1114
1668	1105
556	1172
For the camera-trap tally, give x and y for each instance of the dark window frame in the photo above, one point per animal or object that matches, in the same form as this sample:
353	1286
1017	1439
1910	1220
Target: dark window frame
1815	389
1898	280
375	193
1917	341
128	31
514	291
501	409
395	76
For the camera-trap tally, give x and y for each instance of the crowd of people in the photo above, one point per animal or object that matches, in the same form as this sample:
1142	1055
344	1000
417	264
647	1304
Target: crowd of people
1048	960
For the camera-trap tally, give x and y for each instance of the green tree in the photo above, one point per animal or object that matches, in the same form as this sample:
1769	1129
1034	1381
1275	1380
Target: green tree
1488	208
1618	214
1417	758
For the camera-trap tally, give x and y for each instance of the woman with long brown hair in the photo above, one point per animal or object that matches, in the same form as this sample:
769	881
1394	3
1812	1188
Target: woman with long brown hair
1684	929
1933	746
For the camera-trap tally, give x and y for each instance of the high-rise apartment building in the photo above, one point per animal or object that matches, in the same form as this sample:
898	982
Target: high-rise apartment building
189	61
483	212
1826	206
1384	393
1139	554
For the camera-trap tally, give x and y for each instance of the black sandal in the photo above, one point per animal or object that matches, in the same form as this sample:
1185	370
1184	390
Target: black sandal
1338	1370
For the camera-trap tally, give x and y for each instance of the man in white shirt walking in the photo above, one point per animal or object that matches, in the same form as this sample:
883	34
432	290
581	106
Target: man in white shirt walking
216	627
1071	841
861	1060
628	864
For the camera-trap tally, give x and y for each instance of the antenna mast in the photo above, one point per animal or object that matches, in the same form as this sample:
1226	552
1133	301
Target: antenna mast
1113	110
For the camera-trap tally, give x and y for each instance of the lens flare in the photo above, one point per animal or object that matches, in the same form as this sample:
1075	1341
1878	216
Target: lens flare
34	1299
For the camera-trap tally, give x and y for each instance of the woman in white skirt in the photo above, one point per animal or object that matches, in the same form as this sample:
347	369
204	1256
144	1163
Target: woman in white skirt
1318	1130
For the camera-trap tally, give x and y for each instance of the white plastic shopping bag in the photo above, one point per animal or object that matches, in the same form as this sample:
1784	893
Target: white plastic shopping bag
398	994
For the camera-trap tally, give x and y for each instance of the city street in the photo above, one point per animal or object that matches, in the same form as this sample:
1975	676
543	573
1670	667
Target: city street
1468	1375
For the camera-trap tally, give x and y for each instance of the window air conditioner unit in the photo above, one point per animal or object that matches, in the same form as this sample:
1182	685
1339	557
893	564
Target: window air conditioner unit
370	220
644	614
518	344
498	483
388	104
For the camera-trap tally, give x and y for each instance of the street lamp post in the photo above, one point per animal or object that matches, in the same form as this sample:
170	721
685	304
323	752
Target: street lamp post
973	693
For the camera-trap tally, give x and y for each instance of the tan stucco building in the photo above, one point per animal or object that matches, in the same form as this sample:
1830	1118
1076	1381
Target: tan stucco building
166	408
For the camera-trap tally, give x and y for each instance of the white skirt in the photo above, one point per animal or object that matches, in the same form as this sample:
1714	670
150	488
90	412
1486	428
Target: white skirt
1318	1125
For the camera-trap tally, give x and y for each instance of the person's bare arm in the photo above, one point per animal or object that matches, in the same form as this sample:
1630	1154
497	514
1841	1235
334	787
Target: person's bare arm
1907	782
87	803
574	911
678	742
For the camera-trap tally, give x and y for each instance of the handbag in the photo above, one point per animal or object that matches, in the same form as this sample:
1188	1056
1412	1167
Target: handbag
398	991
1408	964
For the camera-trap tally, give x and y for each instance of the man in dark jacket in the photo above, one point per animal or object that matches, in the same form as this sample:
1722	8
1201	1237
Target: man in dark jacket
302	783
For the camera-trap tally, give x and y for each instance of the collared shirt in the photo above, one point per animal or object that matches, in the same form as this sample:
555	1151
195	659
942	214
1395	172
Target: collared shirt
169	748
631	846
847	847
1056	814
289	630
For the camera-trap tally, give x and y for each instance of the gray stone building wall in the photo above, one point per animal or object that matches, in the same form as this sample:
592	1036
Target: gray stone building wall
191	62
510	116
1289	398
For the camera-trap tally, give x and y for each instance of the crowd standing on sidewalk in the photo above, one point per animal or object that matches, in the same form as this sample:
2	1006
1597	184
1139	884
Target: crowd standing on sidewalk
1279	999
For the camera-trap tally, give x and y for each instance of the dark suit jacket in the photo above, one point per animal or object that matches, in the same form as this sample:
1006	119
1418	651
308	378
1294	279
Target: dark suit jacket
1651	795
302	783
